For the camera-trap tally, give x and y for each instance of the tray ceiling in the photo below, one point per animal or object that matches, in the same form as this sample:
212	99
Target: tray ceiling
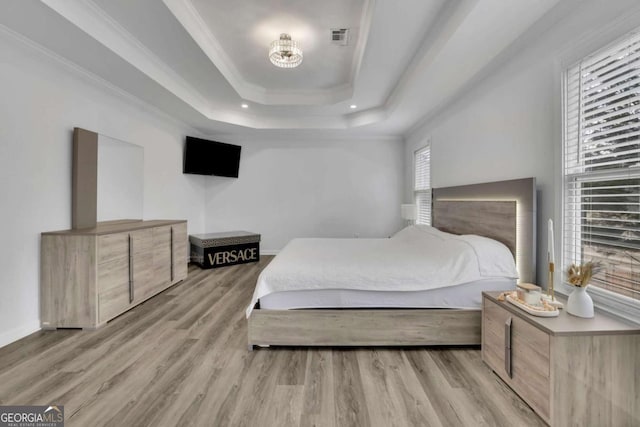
200	60
238	46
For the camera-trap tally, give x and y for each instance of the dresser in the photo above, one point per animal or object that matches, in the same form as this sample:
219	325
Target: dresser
571	371
89	276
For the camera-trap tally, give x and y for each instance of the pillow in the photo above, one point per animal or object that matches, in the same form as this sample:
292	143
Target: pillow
416	230
428	229
494	258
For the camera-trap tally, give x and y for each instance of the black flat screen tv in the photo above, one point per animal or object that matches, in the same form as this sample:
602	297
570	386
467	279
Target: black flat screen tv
204	157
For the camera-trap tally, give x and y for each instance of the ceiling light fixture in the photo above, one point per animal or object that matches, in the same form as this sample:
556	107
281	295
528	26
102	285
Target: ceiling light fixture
244	105
353	106
285	53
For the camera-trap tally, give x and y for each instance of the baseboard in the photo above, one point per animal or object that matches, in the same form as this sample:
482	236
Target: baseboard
15	334
270	252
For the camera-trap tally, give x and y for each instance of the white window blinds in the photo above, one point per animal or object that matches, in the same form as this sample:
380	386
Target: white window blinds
422	187
602	166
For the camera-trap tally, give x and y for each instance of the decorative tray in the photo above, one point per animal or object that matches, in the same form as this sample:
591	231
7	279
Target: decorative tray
533	310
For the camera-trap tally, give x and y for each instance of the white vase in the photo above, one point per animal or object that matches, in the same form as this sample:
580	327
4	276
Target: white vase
580	303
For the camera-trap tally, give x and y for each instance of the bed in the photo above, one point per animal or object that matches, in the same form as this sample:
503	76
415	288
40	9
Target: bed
420	287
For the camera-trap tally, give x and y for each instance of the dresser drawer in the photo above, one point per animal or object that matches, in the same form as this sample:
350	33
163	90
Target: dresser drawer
528	354
493	338
530	366
113	288
112	247
162	256
180	252
142	274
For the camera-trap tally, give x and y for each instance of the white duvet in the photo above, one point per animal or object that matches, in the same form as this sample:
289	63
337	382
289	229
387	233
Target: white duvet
415	259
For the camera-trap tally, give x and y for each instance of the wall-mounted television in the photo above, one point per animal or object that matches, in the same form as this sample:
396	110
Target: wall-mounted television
204	157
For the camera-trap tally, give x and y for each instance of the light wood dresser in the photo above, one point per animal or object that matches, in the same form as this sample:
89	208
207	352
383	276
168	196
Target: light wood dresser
89	276
571	371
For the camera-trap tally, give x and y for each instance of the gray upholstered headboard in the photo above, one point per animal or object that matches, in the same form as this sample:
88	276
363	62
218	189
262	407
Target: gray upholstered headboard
502	210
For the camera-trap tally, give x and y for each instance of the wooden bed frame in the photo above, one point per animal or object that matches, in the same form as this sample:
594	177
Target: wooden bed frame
504	211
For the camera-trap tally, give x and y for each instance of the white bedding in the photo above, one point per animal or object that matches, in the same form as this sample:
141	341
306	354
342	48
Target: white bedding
417	258
465	296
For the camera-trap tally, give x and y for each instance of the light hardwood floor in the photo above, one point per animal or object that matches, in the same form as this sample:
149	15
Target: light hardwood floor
181	359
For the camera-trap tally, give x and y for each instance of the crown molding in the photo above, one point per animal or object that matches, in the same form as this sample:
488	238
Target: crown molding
87	16
540	39
264	133
301	136
363	37
95	80
450	17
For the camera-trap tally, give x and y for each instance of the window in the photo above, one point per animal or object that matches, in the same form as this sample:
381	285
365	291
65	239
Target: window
602	166
422	184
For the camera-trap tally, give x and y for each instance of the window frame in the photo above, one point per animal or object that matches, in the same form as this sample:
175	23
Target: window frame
423	190
614	303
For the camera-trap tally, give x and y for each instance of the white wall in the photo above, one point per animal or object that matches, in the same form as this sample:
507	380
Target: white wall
289	187
508	123
41	102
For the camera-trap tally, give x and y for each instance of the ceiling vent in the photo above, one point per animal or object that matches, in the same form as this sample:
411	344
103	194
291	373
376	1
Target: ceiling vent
340	36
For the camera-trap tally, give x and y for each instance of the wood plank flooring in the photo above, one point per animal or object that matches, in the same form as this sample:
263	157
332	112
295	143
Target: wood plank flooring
181	359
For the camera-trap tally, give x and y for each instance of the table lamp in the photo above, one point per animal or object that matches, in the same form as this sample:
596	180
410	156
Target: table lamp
409	213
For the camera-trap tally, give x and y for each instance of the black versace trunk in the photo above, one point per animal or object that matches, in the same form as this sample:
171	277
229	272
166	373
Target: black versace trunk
215	250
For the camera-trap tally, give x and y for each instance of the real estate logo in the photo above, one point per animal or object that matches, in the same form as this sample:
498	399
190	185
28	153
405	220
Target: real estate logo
32	416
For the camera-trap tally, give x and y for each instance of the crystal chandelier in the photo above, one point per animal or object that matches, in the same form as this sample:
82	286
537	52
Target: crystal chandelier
285	53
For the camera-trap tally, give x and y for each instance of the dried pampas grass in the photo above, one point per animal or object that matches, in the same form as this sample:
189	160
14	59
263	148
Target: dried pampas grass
580	275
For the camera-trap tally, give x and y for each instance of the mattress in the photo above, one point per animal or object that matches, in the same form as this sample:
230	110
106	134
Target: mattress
465	296
416	259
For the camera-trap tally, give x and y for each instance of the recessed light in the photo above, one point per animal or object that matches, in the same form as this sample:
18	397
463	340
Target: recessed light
244	105
353	106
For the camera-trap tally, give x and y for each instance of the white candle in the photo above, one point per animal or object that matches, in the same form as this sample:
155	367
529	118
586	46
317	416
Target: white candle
551	251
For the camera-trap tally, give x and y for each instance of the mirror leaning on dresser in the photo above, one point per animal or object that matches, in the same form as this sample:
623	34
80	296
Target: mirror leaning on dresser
98	270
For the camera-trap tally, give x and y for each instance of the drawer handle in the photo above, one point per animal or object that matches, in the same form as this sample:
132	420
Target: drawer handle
171	254
507	347
130	269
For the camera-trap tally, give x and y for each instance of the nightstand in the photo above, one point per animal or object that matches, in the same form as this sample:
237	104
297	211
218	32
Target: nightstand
571	371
